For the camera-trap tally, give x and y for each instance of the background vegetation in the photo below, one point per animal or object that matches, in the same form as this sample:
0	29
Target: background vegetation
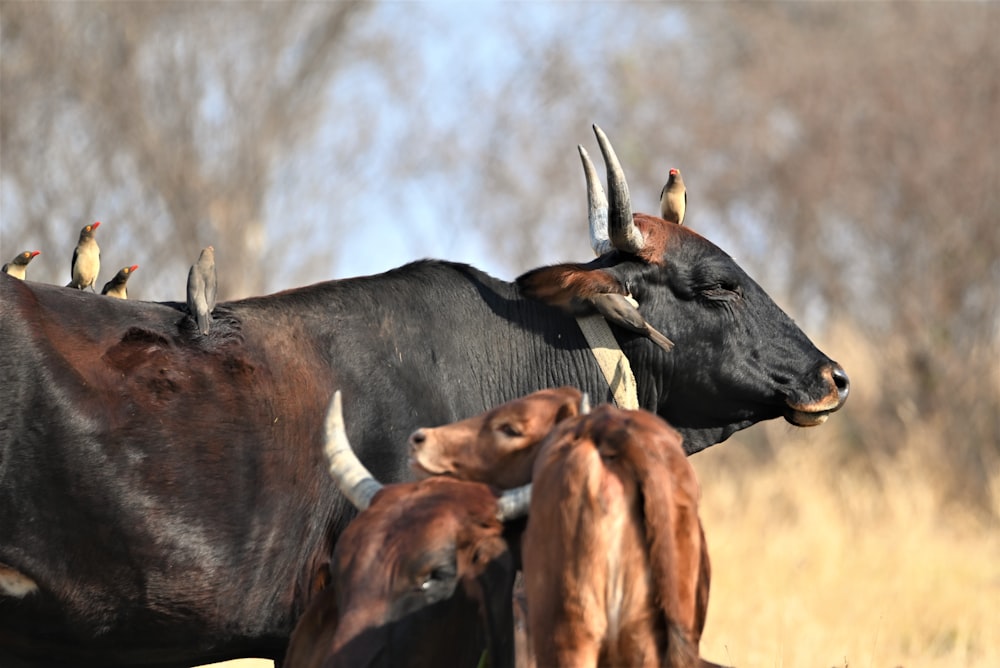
845	154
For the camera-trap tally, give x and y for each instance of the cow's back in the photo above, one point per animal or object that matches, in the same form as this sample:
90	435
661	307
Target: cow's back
167	464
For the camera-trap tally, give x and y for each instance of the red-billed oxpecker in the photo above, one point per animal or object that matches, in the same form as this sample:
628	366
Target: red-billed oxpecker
116	287
421	577
18	267
201	287
86	259
673	198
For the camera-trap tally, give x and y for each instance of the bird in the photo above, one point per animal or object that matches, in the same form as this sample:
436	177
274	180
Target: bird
623	311
18	267
673	198
201	287
116	286
86	259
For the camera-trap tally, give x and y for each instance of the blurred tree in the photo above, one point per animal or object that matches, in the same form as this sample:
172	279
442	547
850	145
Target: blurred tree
168	121
845	153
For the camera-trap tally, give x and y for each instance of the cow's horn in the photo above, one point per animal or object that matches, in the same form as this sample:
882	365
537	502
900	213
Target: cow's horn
513	503
584	404
351	476
625	236
597	207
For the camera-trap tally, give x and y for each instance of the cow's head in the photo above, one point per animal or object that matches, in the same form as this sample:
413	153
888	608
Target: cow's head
732	342
497	447
423	575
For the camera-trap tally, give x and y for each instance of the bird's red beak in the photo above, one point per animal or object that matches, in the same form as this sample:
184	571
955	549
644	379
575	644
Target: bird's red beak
133	268
95	225
34	253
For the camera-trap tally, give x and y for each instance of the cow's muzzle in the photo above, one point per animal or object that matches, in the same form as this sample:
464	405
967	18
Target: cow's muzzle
814	413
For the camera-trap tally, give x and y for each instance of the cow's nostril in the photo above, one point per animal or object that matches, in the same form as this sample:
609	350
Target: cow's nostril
416	438
842	382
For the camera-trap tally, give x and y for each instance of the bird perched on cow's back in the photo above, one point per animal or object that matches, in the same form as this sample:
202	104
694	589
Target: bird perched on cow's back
201	288
673	198
86	260
18	267
116	287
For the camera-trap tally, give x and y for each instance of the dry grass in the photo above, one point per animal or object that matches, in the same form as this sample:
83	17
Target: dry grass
817	565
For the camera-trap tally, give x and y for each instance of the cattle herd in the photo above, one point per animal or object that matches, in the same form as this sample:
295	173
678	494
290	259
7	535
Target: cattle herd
401	469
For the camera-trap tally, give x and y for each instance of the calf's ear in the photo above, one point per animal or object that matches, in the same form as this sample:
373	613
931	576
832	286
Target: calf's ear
570	287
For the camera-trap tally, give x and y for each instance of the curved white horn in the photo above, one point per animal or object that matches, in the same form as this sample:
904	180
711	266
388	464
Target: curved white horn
597	207
513	504
625	236
351	476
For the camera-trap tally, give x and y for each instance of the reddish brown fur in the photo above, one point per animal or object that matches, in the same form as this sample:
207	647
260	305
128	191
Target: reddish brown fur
616	483
497	447
657	235
564	285
378	565
616	570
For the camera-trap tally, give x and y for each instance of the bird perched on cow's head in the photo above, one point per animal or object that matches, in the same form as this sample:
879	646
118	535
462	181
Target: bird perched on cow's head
86	262
18	267
673	198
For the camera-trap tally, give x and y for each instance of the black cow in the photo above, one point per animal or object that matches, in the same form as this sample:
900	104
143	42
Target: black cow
163	494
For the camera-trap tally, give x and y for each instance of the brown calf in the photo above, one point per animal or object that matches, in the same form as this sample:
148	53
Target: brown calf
616	569
421	577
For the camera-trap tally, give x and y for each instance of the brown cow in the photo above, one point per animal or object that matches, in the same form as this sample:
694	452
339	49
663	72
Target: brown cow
614	555
422	576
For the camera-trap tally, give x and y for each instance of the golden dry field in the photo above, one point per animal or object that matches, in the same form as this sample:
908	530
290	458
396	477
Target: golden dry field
816	566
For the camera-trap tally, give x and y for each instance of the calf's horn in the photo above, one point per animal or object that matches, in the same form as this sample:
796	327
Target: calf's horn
597	207
351	476
624	234
513	503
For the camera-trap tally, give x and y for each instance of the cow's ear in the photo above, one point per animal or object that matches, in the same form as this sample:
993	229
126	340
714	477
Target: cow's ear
570	399
569	286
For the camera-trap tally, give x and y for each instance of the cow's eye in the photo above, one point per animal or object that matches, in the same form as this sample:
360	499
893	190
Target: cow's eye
722	292
507	429
437	577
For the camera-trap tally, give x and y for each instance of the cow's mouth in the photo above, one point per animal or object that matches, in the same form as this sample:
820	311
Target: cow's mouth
806	418
423	470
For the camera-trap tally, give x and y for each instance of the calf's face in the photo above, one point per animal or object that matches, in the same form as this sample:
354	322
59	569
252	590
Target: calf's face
423	557
497	447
